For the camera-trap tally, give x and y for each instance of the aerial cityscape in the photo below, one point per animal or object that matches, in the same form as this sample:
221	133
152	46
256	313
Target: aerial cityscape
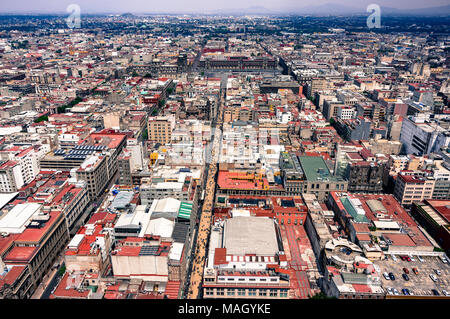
255	153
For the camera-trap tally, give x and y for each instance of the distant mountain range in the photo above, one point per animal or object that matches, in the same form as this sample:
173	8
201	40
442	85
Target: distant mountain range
328	9
334	9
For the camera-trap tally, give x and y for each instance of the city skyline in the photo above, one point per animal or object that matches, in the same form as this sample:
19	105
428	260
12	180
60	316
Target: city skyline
208	7
233	155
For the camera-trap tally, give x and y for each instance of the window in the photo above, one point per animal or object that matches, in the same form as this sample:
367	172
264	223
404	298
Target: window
220	291
283	293
252	291
230	292
209	291
273	292
262	292
241	292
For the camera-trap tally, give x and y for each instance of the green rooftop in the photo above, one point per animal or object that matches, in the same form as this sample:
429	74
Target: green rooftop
353	278
359	218
185	210
315	169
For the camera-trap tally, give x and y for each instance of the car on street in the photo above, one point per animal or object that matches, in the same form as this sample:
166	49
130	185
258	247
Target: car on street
445	293
405	270
391	275
386	276
415	271
435	292
420	259
405	276
438	272
396	292
405	291
433	277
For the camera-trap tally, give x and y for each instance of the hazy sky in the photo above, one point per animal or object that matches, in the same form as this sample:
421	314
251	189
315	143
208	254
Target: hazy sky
148	6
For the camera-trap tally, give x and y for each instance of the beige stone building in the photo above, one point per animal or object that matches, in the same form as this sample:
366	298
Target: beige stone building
160	129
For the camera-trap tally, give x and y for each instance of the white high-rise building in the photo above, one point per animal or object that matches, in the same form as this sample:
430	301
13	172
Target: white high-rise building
420	136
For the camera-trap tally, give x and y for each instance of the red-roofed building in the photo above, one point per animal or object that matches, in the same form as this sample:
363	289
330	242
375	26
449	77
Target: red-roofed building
11	178
12	284
434	216
71	287
89	250
415	187
55	193
358	213
98	170
35	249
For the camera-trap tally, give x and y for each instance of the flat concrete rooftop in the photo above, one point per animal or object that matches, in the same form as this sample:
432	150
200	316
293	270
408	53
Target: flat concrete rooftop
250	235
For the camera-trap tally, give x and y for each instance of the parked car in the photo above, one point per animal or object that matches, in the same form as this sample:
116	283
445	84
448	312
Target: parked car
386	276
444	259
389	291
420	259
394	258
435	292
403	257
406	271
415	271
391	275
408	258
445	293
396	292
438	272
433	277
405	276
411	258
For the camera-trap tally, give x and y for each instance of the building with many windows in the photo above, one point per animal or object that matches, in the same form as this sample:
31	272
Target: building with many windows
246	260
413	187
421	136
30	243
